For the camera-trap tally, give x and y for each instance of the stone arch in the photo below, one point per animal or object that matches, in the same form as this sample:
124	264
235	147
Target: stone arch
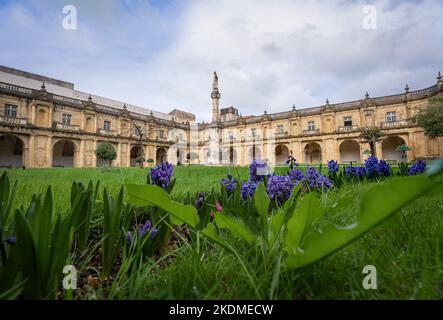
389	148
161	155
63	153
134	156
281	154
313	153
11	151
349	151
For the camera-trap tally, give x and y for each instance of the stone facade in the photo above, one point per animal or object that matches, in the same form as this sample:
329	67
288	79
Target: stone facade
40	129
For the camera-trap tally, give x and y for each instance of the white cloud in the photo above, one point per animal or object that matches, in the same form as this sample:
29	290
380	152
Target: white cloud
268	54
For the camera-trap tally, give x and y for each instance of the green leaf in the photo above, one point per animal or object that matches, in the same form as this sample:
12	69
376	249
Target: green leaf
235	226
309	210
211	232
7	196
22	261
142	195
377	205
261	202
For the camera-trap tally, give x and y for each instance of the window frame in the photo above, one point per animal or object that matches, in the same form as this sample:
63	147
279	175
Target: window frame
106	125
67	119
391	116
347	119
11	110
311	126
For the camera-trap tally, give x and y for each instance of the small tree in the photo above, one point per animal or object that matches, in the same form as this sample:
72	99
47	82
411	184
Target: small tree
106	151
371	136
431	118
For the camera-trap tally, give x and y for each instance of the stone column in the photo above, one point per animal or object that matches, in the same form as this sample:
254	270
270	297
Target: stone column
81	154
94	155
49	152
28	153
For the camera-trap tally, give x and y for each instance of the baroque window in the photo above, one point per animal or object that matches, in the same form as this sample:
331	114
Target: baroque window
10	111
66	118
311	126
107	125
391	116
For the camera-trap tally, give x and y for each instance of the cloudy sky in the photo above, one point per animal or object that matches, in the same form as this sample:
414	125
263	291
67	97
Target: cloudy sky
269	55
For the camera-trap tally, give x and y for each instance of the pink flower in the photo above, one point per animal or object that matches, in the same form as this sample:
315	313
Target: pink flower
218	206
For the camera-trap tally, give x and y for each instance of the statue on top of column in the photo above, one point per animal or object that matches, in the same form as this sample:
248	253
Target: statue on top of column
215	93
215	81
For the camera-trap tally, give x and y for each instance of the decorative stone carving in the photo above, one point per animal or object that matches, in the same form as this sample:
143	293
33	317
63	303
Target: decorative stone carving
89	153
40	155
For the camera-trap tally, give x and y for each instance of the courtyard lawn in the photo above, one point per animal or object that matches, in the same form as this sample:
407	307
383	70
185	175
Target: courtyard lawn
405	249
192	179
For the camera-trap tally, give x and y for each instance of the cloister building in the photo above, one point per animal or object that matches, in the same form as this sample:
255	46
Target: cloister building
45	122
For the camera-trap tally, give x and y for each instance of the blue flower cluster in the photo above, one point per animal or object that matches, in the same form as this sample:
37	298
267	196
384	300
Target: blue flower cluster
375	168
315	180
333	167
280	188
248	189
356	171
417	168
161	175
258	170
296	175
371	169
384	168
229	183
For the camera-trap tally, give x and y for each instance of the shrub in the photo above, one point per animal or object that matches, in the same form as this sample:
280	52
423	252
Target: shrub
106	151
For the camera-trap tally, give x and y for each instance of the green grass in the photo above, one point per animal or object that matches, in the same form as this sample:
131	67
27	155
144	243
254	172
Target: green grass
405	250
192	179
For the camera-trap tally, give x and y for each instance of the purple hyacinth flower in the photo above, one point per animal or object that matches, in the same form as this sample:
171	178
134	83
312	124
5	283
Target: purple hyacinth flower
153	233
372	167
258	170
129	237
161	174
248	189
279	188
417	167
11	240
314	179
333	166
144	228
296	175
229	183
384	168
